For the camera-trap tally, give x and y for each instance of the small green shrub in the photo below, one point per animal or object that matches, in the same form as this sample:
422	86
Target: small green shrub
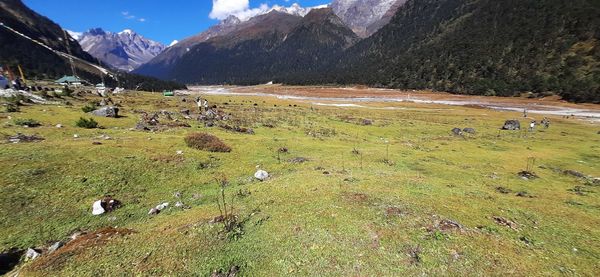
12	108
17	100
26	122
66	91
90	107
86	123
207	142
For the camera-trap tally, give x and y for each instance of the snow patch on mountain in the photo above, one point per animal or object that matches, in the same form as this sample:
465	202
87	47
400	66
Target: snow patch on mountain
242	11
75	35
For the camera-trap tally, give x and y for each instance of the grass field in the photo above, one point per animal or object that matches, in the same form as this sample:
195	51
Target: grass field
400	197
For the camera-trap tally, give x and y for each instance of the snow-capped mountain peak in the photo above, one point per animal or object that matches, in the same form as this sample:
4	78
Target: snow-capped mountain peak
359	15
75	35
125	50
126	32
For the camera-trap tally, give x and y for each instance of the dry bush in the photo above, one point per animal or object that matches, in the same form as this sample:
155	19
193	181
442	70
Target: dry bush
207	142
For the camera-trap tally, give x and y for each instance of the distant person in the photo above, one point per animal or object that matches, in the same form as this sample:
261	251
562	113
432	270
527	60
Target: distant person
17	85
205	104
199	103
525	113
546	123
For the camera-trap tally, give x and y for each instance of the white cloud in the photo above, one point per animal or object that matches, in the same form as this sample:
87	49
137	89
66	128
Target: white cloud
241	9
223	8
127	15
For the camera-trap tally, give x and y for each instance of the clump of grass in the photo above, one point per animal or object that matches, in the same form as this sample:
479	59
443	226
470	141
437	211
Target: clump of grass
90	107
12	108
86	123
26	122
207	142
66	91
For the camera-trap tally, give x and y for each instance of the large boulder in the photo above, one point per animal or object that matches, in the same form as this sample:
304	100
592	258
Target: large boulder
511	125
108	111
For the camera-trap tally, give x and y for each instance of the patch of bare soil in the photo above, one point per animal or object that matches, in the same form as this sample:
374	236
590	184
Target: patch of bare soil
356	197
78	245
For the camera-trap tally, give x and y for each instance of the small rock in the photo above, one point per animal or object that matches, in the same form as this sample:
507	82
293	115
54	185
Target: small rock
505	222
31	254
106	204
574	173
526	175
179	204
59	126
457	131
97	143
511	125
261	175
179	152
76	235
55	246
97	208
298	160
162	206
524	194
503	190
177	194
367	122
76	136
469	131
153	211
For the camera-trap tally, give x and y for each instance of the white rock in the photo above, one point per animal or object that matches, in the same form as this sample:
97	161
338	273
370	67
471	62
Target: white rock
59	126
97	208
261	175
179	204
153	211
55	246
31	254
179	152
75	135
162	206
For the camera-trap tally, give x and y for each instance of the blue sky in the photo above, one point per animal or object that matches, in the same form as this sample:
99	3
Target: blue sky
163	21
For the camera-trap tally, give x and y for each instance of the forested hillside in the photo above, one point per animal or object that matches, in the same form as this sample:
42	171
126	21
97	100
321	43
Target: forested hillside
483	47
270	47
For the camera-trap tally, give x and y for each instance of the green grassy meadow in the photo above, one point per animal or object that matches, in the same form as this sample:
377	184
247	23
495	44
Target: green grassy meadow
358	207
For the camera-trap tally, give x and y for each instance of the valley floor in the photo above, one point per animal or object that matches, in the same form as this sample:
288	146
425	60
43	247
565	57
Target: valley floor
384	189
